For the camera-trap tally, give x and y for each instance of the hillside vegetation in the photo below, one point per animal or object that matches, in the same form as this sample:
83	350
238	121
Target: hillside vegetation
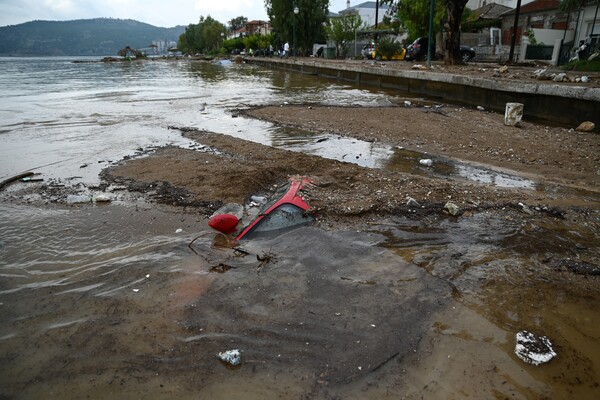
84	37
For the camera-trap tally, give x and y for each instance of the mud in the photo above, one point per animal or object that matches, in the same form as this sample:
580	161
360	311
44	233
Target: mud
381	299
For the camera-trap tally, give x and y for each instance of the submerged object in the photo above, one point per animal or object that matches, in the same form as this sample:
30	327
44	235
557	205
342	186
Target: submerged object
224	223
534	349
286	209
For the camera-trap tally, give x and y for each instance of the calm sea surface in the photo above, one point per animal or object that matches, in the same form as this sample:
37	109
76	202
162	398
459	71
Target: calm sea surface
54	111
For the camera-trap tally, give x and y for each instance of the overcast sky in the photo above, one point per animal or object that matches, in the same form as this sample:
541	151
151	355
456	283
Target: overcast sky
164	13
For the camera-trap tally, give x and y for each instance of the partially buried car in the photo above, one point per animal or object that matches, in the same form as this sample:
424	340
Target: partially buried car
417	51
285	209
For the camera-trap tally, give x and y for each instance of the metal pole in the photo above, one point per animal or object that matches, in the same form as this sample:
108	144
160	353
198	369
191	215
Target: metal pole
430	40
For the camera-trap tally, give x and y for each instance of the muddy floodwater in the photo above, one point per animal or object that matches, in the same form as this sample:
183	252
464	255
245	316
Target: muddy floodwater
133	299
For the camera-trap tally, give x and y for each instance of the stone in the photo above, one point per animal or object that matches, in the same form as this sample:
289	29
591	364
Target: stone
586	126
542	74
412	202
503	69
452	208
560	77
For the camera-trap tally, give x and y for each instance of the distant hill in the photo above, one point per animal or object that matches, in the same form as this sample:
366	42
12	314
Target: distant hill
83	37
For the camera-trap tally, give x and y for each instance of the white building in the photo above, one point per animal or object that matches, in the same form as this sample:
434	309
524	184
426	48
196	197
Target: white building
367	11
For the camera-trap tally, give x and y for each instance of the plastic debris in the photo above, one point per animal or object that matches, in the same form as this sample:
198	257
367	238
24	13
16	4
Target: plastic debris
102	198
533	349
78	199
179	230
426	162
407	103
480	108
231	357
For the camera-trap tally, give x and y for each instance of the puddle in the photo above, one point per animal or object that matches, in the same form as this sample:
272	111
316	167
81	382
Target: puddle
377	155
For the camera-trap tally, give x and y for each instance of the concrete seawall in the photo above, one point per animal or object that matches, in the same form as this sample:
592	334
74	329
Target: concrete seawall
545	100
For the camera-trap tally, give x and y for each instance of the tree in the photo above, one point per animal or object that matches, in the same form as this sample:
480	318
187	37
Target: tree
414	16
343	31
238	23
203	37
309	22
454	9
451	27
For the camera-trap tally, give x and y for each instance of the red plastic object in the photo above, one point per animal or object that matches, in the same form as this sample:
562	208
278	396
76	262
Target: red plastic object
225	223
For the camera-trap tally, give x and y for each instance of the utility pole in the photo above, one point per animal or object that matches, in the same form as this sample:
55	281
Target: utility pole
513	38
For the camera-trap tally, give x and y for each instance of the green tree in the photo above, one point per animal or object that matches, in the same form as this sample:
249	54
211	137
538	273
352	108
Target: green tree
414	16
203	37
342	31
238	23
309	22
451	22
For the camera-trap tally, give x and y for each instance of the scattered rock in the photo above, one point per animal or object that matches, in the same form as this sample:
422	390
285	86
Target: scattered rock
542	75
586	126
533	349
412	202
525	209
426	162
560	77
452	208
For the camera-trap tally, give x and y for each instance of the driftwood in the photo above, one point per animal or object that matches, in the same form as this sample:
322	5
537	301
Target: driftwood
15	178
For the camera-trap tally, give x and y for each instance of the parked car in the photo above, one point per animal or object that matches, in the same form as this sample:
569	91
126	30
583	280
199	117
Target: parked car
368	51
398	55
417	51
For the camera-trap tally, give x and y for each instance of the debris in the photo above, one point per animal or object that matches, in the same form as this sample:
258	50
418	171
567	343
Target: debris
560	77
533	349
102	198
586	126
407	103
503	69
542	74
426	162
525	209
452	208
412	202
480	108
513	114
258	199
231	357
179	230
419	66
78	199
585	79
136	290
15	178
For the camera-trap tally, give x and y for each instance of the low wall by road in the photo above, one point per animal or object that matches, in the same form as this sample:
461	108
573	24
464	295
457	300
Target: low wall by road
543	100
